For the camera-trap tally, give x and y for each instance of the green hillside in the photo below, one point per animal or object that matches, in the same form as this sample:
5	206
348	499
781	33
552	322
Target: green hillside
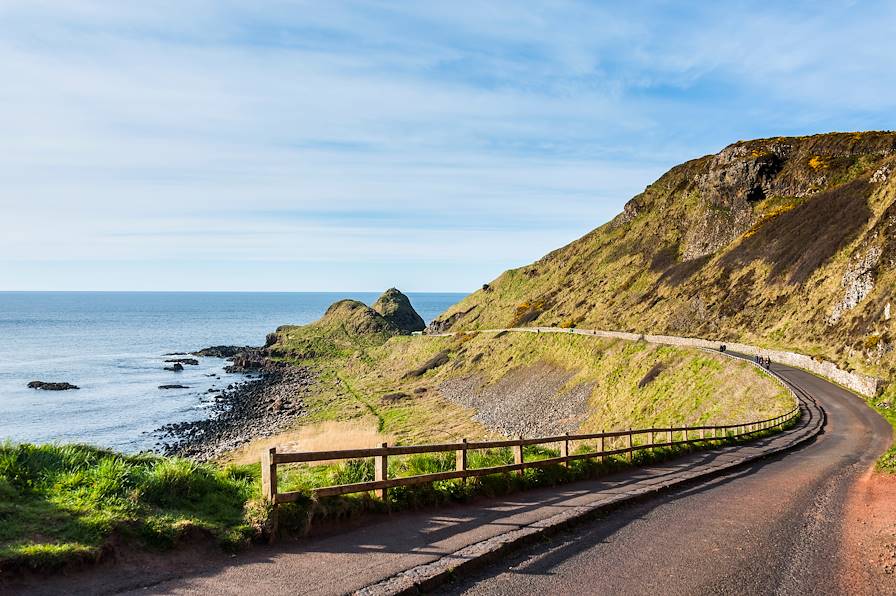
781	242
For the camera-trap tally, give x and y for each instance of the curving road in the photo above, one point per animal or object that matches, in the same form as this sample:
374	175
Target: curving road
774	527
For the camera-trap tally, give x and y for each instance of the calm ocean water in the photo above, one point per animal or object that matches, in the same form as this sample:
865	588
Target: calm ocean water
112	346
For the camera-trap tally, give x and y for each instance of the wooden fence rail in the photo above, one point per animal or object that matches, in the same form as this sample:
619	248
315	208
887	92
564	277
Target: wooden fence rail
687	435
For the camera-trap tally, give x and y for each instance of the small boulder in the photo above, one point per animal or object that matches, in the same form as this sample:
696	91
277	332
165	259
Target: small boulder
176	367
189	361
51	386
174	387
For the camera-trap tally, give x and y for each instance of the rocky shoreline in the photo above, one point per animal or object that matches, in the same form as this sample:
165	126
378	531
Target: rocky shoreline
272	398
245	411
267	403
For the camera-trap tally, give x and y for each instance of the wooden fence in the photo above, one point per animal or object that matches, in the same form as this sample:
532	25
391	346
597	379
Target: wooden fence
668	437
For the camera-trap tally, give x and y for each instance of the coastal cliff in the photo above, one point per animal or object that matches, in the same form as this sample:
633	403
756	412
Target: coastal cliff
786	242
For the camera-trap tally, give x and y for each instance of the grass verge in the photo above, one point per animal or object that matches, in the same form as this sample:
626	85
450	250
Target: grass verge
886	406
68	503
296	517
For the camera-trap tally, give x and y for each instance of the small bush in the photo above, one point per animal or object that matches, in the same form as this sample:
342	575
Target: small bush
817	162
354	471
527	312
176	481
872	341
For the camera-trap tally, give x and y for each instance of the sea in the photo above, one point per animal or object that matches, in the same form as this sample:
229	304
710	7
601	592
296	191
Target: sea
113	345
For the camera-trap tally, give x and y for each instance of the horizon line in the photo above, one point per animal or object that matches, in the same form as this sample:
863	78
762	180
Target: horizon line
229	291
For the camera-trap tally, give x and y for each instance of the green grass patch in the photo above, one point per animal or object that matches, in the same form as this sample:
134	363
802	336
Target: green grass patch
58	502
886	406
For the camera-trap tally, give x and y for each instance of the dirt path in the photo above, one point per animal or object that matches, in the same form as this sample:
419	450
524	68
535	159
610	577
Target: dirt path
869	529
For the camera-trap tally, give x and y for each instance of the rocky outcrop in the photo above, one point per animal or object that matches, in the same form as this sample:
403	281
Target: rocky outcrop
737	177
858	282
442	325
253	360
396	308
51	386
434	362
223	351
187	361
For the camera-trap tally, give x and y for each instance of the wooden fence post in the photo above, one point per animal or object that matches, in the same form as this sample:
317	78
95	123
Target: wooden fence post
518	456
381	472
603	458
461	459
269	475
269	488
564	449
631	447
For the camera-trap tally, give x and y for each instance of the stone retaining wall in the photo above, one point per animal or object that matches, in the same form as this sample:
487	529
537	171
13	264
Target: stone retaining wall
862	384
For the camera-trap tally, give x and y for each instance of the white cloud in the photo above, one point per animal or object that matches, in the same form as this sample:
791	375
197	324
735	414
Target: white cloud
159	130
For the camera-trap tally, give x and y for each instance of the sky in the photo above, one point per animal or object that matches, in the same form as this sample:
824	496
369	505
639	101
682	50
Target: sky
348	146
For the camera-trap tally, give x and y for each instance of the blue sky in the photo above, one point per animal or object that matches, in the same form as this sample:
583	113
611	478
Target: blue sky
218	145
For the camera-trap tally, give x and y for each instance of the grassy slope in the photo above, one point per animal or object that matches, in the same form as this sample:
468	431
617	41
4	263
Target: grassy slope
358	375
694	387
773	281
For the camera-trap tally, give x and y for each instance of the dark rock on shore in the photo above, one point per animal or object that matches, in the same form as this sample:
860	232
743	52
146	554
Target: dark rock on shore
188	361
245	411
252	359
223	351
244	358
51	386
174	387
177	367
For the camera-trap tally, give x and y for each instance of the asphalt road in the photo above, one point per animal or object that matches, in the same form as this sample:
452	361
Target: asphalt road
774	527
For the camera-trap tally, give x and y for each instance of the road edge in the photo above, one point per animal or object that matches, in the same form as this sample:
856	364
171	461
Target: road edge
430	575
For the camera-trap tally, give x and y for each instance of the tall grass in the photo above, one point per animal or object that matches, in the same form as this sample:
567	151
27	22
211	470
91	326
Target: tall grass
56	501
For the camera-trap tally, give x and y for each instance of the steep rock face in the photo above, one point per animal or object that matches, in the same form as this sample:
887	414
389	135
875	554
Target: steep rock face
396	308
787	242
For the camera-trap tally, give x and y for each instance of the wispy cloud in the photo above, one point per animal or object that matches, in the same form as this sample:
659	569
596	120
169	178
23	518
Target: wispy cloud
141	139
